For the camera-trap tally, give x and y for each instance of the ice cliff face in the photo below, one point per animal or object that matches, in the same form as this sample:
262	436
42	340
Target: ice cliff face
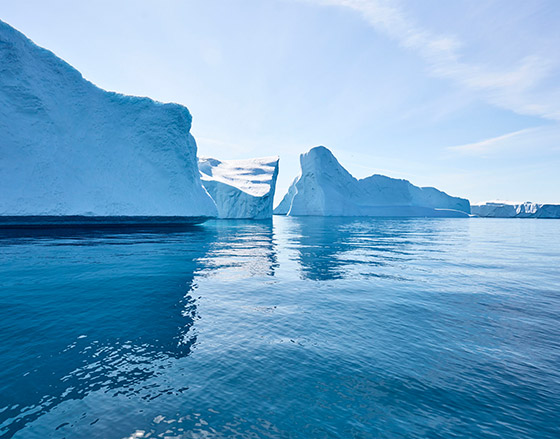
70	148
241	188
504	209
325	188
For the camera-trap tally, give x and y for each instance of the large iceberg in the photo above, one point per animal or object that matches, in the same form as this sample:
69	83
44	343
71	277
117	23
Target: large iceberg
325	188
70	148
507	209
241	188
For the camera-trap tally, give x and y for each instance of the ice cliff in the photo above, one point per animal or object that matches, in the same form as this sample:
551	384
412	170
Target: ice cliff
505	209
241	188
69	148
325	188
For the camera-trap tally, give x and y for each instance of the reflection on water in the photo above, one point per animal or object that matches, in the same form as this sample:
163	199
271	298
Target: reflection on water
336	248
301	327
332	248
241	248
92	309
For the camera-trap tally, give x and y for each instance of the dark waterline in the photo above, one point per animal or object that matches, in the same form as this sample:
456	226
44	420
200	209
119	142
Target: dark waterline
117	223
297	328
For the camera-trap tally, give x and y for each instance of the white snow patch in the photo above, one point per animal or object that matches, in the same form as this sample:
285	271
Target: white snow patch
241	188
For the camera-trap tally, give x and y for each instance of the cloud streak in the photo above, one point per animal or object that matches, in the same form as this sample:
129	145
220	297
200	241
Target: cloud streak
518	88
488	145
538	139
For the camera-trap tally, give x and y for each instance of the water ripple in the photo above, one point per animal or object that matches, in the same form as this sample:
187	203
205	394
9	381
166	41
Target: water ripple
296	328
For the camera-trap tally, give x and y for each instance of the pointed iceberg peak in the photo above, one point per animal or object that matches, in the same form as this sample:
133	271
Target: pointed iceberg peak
320	189
322	157
319	151
319	162
325	188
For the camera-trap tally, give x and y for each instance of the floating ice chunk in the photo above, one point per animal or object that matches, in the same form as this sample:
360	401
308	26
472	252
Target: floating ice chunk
509	209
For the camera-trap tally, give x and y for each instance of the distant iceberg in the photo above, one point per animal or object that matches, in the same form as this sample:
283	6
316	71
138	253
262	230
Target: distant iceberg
241	188
69	148
508	209
325	188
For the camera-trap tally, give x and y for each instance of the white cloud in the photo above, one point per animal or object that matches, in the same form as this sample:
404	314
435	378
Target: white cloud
488	145
515	87
539	139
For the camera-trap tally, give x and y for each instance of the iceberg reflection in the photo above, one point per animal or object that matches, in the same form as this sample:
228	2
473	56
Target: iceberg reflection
241	248
98	310
341	247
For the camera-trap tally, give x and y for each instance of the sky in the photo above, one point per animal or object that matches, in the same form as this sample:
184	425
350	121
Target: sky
461	95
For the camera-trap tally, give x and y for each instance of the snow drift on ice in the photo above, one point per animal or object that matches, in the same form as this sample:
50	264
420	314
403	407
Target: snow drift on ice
241	188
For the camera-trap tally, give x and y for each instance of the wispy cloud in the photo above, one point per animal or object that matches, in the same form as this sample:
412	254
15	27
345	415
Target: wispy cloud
514	87
538	139
487	145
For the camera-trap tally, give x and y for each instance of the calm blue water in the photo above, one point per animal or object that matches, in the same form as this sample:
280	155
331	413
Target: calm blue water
298	328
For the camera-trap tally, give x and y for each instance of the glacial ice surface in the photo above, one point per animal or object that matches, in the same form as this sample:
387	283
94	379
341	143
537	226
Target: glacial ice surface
508	209
325	188
68	147
241	188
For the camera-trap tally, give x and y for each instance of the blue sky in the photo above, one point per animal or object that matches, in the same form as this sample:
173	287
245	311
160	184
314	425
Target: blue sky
461	95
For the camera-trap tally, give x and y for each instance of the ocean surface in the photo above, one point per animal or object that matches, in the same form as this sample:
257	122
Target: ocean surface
294	328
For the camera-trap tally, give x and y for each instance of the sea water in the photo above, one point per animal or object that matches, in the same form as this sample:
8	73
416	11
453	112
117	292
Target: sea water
293	328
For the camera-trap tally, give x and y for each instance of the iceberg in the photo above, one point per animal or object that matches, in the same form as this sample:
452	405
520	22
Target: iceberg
325	188
508	209
69	148
241	189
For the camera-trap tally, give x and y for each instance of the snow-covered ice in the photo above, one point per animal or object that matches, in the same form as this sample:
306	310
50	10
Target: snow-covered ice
68	147
325	188
241	188
509	209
